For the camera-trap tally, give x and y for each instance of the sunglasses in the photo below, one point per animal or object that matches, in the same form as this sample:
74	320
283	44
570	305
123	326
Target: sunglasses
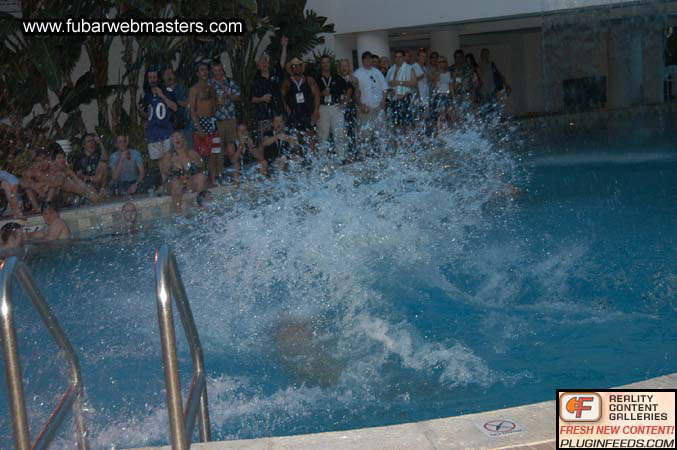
295	65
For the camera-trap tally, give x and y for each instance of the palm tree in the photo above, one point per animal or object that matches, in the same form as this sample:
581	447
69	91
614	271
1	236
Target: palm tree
304	28
36	65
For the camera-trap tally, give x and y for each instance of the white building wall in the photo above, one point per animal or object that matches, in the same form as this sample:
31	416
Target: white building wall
356	16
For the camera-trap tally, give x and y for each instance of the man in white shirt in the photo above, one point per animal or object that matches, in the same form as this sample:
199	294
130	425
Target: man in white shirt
372	98
422	76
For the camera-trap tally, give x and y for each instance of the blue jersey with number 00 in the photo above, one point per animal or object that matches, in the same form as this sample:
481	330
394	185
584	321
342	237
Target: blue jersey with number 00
159	116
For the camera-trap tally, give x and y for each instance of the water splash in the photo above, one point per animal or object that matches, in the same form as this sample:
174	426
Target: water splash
302	286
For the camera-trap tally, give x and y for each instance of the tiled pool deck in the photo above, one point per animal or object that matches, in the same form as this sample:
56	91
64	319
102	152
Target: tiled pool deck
461	432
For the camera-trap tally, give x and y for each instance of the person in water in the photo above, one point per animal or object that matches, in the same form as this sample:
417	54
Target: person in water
304	356
129	215
57	229
12	235
186	171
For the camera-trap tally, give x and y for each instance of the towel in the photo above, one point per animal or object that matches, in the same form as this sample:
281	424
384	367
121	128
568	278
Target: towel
404	74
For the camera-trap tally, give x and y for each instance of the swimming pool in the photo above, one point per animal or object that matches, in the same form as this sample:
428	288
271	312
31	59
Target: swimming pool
398	290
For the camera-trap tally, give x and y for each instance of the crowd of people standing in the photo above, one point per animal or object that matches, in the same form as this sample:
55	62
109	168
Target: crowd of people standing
191	130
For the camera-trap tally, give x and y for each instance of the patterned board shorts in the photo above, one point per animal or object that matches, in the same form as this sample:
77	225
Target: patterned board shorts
208	124
211	142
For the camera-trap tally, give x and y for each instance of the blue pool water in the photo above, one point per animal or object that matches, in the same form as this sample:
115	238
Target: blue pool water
396	291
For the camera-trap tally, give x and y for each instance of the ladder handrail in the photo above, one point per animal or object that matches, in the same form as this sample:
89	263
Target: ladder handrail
181	422
12	268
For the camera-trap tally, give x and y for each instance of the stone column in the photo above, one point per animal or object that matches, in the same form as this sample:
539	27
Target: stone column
624	82
374	41
343	47
445	42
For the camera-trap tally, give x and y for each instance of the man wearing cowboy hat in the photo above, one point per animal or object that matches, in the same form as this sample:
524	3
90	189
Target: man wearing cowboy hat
301	98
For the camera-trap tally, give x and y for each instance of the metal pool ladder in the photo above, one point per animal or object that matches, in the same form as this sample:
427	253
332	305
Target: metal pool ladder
9	269
181	421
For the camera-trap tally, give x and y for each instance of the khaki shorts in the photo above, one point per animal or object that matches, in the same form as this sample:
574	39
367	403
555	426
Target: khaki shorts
227	130
156	150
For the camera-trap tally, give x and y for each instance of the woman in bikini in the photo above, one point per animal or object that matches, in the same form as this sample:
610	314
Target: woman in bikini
185	171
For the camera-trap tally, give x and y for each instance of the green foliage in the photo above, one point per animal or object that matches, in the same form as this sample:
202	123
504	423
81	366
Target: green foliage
31	67
313	64
243	64
303	28
285	18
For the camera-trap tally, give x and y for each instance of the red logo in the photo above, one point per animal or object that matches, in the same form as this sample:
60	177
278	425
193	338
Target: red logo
580	407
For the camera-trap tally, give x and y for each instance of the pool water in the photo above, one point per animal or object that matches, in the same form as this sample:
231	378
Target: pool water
396	290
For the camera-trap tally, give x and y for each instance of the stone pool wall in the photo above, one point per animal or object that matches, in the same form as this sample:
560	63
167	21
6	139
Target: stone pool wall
106	218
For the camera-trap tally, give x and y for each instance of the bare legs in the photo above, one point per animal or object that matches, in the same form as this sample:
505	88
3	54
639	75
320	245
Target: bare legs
11	194
177	187
215	167
234	156
76	186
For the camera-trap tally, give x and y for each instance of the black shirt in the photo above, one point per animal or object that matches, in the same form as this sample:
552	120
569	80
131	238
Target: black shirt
271	85
277	148
87	165
337	88
300	99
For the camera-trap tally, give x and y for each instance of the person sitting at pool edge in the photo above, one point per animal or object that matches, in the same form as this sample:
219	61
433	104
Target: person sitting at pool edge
57	229
186	170
10	184
40	186
71	183
239	150
275	147
91	164
127	171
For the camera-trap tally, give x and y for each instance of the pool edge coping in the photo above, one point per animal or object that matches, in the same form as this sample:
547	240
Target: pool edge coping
455	432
